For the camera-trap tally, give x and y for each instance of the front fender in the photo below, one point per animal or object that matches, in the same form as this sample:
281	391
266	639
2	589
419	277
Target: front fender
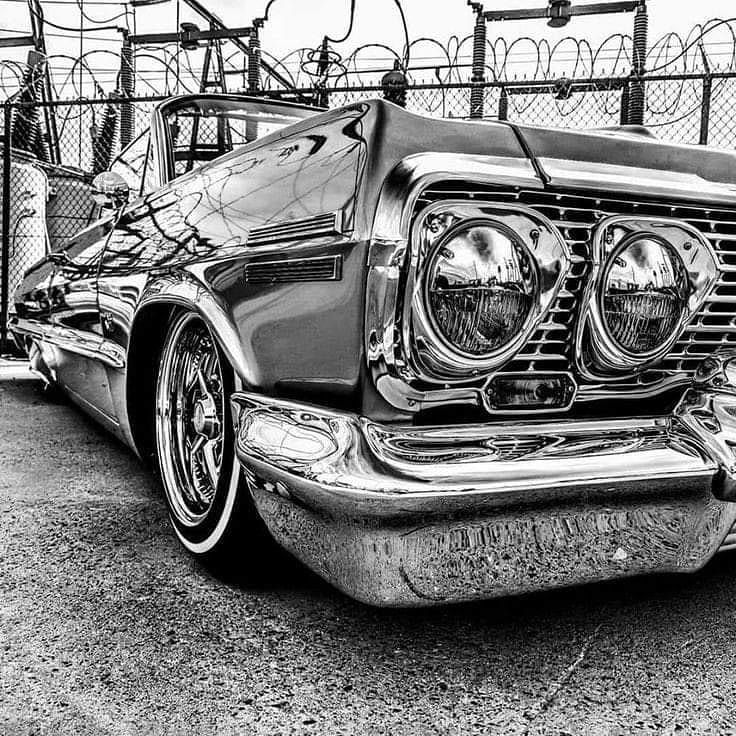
185	290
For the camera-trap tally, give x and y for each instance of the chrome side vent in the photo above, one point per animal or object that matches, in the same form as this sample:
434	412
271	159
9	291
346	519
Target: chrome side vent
322	268
309	227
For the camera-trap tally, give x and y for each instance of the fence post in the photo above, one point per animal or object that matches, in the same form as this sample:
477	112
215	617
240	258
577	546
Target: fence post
5	213
503	105
477	92
625	102
705	109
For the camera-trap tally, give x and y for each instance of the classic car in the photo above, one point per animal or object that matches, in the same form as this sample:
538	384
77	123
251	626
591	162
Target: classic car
437	360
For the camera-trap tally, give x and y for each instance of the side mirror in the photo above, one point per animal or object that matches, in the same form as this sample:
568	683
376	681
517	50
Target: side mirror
110	190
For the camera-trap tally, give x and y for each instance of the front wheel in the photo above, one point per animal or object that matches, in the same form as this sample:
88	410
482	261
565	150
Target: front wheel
209	504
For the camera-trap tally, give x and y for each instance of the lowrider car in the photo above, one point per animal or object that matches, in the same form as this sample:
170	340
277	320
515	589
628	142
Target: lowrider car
437	360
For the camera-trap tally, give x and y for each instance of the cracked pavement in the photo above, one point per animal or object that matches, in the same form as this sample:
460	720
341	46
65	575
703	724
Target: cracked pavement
107	626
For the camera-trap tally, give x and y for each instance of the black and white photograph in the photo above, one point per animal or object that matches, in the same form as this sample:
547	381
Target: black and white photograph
367	367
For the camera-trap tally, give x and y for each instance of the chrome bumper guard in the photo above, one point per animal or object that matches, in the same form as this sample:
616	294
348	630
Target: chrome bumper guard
429	515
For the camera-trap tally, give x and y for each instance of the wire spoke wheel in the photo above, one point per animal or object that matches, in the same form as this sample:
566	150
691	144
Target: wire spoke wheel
190	420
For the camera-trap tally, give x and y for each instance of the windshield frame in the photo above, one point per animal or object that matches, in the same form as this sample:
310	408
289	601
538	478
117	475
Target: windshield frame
163	150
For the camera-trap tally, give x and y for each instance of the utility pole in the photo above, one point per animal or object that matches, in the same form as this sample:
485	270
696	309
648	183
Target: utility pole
46	90
251	50
216	22
39	79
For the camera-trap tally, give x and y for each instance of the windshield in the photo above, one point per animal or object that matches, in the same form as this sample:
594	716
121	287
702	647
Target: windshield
200	130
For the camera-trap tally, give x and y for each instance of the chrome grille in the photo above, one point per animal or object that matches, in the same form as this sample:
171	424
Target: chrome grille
577	215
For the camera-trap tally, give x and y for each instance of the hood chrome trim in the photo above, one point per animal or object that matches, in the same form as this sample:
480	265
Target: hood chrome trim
655	183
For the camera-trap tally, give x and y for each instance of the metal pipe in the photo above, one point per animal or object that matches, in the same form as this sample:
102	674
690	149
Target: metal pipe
625	103
5	214
503	105
705	110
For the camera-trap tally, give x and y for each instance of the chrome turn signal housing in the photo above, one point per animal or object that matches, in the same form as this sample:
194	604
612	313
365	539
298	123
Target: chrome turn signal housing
523	393
649	279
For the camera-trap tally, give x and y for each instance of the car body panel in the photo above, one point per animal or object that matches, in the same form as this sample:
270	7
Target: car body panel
320	180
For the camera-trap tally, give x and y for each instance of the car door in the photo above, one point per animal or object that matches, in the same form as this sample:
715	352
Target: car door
80	352
85	357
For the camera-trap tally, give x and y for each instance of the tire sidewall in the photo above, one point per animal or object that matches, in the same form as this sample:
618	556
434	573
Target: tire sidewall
205	536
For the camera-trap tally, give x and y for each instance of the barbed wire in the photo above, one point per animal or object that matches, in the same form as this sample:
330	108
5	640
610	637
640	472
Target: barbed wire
708	47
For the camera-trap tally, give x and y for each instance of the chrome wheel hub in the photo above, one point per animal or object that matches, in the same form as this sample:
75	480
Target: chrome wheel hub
205	421
190	426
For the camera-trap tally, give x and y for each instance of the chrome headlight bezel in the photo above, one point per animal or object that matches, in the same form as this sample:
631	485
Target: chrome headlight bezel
434	358
428	316
599	356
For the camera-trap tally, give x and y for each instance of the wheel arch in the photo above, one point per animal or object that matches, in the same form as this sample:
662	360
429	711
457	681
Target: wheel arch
147	336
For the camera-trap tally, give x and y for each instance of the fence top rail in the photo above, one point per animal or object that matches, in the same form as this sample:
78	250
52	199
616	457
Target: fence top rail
82	102
518	86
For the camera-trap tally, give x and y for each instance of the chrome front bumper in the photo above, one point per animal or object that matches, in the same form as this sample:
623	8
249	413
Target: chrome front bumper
429	515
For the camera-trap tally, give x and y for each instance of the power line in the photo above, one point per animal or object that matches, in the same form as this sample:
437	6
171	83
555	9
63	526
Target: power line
350	26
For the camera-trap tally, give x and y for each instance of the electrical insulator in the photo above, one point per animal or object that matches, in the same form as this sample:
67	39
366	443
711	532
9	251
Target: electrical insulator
394	85
563	88
559	13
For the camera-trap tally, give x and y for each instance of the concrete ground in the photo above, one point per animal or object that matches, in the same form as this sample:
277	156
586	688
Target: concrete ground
108	627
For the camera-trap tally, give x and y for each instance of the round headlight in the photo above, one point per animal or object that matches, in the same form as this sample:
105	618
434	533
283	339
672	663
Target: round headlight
644	294
482	287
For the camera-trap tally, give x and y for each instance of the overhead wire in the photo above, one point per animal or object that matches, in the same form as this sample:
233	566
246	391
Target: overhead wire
350	25
506	59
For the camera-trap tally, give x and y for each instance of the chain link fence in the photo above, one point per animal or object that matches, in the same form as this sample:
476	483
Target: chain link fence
51	152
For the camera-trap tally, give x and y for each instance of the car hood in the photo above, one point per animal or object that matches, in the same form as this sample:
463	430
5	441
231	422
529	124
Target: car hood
630	159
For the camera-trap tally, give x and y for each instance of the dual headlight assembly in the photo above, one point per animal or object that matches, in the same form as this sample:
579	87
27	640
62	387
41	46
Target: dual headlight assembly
487	278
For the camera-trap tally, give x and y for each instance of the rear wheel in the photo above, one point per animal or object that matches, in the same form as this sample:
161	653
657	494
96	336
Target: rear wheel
209	504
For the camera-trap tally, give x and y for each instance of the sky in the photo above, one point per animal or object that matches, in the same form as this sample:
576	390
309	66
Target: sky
301	23
295	22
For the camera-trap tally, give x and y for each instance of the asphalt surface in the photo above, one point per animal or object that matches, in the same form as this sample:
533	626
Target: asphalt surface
108	627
